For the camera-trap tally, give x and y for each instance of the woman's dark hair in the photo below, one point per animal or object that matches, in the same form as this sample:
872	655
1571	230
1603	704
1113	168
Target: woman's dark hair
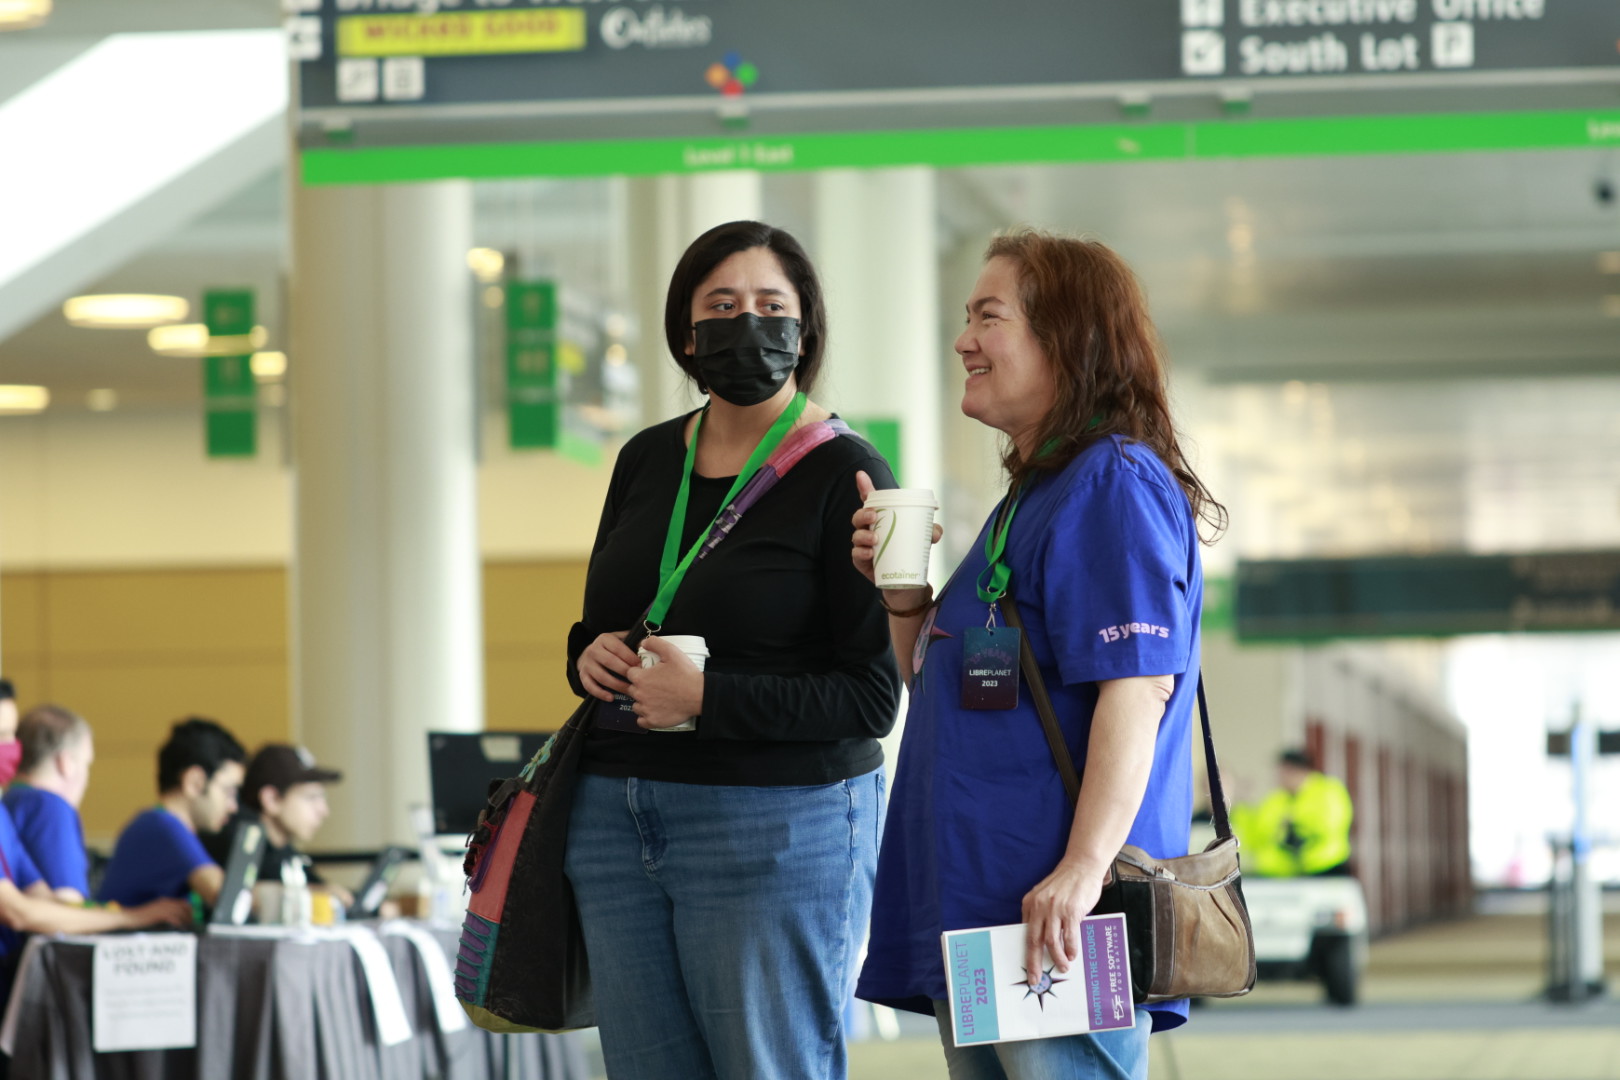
1086	309
196	741
715	247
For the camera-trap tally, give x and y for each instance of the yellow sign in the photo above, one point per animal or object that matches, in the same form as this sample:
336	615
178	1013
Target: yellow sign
463	34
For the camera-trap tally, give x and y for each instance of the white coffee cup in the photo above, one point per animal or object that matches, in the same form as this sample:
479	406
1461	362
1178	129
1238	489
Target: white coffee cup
696	650
905	536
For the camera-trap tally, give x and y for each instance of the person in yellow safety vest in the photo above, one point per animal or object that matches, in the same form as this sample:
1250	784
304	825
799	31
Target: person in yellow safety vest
1300	830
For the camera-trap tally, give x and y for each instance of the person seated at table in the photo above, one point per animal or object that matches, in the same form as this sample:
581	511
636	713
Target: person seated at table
27	907
284	792
44	798
159	853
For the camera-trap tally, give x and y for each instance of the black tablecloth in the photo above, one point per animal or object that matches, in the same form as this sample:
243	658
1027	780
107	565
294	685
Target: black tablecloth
274	1009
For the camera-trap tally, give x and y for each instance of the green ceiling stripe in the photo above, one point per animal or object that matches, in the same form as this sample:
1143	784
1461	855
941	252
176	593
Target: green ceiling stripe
971	146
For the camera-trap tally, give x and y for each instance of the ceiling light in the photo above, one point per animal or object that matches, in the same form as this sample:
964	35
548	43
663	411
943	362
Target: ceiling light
101	400
124	311
617	355
486	263
23	14
1608	262
192	340
18	400
268	366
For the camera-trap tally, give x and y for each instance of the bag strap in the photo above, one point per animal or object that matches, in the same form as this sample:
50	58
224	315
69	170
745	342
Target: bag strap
781	462
1060	748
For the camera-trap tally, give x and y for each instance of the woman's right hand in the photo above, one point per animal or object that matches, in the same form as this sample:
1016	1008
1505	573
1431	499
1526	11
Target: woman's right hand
863	551
605	663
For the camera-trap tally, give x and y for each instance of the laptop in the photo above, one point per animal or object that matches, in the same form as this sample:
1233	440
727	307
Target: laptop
369	897
235	902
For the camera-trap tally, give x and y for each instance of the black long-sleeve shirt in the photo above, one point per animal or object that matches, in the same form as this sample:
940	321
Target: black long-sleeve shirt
800	681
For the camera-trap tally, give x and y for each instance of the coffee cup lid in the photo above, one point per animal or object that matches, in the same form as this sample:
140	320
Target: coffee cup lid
687	643
903	497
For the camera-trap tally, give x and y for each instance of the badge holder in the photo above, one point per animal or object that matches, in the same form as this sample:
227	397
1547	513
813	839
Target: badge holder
990	665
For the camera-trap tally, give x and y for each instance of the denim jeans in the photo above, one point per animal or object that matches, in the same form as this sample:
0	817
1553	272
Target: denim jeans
723	923
1107	1055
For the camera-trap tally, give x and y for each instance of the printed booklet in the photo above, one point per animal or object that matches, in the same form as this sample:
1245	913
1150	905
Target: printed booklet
992	1000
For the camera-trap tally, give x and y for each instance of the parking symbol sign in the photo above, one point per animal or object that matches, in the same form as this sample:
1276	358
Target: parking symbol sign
1203	52
1203	12
1452	45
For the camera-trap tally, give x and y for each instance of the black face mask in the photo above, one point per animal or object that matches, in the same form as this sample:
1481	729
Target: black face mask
745	360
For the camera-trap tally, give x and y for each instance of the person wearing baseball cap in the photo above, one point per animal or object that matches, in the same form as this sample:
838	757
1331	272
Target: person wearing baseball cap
284	790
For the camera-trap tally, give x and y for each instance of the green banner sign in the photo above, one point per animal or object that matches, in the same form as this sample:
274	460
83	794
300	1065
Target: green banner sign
1145	141
531	364
883	432
230	394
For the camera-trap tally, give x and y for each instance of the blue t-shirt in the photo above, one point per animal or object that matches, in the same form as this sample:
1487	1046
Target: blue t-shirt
153	859
51	831
1105	569
22	872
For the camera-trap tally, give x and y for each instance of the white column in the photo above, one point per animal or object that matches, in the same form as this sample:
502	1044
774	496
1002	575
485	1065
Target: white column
876	251
387	616
876	248
710	199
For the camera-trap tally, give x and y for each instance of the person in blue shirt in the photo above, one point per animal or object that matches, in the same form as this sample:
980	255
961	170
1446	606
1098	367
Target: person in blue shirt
57	751
158	854
1099	545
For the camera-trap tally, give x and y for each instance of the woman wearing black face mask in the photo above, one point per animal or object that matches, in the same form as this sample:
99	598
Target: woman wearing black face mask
724	874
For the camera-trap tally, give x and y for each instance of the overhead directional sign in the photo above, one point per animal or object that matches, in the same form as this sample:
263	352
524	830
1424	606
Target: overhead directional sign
429	72
1428	595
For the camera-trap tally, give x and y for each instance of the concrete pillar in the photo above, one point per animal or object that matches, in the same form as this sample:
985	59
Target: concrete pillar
877	251
387	615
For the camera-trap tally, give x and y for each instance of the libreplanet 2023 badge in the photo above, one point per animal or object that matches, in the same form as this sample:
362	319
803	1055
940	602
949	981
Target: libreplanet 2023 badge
990	667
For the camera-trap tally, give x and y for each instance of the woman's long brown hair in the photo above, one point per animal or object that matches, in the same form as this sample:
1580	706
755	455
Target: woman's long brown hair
1087	311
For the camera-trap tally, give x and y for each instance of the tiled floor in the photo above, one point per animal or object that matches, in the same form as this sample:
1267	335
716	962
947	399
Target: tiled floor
1453	1001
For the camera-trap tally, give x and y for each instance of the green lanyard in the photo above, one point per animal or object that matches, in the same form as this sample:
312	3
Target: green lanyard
995	547
670	572
995	541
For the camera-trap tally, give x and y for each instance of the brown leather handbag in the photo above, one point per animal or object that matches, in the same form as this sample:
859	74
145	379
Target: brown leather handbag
1186	926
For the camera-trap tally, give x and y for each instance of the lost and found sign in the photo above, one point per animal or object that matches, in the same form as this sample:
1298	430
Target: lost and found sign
144	993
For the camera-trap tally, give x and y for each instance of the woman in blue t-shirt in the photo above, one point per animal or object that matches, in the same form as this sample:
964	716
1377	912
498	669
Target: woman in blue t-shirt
1098	540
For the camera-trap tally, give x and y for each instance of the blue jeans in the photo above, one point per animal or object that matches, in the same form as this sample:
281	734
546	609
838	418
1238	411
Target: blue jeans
1107	1055
723	923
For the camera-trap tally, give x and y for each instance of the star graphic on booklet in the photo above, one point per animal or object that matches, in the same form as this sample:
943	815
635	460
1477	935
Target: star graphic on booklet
1041	988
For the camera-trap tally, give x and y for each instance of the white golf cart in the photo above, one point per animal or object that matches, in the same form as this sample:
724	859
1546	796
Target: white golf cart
1306	928
1310	928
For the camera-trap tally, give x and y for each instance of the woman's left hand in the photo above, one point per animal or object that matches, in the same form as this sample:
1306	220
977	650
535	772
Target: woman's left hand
668	693
1053	911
